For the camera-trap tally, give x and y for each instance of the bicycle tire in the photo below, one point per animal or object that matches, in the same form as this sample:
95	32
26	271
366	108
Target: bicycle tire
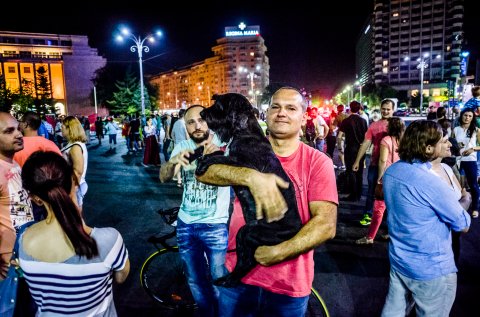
316	305
162	277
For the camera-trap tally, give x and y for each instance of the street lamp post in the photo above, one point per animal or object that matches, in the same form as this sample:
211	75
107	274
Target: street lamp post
139	47
360	89
251	75
422	65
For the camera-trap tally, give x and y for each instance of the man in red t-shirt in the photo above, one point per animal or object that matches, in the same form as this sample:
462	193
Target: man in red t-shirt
375	133
280	284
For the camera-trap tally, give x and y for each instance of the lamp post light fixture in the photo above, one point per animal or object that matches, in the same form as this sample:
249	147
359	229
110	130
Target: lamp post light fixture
139	47
251	76
359	84
422	65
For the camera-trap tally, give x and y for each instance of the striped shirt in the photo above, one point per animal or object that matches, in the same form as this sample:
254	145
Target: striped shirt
77	286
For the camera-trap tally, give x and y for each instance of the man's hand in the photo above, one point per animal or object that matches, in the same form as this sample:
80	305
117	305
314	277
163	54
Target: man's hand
268	255
355	167
466	199
210	148
269	201
181	158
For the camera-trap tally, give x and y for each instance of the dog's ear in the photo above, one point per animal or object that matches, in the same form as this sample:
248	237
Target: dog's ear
218	99
240	110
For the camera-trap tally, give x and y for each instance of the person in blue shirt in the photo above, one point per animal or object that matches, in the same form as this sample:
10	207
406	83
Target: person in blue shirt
474	102
422	212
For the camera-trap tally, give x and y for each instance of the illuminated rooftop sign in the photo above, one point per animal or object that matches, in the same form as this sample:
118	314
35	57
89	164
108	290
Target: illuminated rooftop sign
242	30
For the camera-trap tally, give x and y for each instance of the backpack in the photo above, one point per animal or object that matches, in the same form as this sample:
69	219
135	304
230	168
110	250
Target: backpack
310	131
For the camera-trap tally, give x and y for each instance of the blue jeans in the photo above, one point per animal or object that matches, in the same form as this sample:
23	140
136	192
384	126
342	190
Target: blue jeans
432	298
320	145
249	301
203	247
470	169
372	177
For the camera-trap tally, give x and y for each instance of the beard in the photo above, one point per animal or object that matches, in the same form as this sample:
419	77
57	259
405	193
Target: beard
201	138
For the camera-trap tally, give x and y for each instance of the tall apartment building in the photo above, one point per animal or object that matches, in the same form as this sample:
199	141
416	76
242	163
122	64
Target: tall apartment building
412	29
364	68
69	60
239	64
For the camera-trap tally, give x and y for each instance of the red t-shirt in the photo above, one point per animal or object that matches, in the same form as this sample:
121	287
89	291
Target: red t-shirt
32	144
375	133
313	176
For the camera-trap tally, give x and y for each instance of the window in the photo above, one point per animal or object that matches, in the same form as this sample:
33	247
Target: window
39	41
24	41
11	69
27	70
9	53
8	40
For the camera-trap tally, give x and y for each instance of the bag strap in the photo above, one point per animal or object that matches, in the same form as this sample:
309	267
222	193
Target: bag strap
70	146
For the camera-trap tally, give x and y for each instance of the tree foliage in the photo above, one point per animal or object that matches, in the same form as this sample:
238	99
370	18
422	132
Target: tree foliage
118	89
27	98
6	95
124	99
44	101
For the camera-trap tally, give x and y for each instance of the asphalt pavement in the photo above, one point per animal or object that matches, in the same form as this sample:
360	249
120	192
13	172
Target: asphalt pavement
353	280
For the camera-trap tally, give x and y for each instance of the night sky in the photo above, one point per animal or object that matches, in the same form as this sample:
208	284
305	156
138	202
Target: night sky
310	48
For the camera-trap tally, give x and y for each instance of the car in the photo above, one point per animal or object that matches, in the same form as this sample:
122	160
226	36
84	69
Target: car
402	113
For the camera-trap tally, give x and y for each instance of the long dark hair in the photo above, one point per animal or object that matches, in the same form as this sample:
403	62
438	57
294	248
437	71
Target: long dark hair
48	176
418	135
473	123
395	128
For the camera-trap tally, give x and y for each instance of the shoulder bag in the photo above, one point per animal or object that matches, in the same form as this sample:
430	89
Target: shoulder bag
9	287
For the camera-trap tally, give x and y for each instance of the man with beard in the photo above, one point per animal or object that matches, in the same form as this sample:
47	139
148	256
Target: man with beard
202	220
15	206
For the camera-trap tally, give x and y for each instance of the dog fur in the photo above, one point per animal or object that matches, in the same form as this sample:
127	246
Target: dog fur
232	118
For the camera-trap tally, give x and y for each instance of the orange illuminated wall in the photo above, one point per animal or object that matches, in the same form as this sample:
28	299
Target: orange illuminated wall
27	74
11	76
56	72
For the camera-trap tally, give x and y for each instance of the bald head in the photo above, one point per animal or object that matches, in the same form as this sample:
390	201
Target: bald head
11	139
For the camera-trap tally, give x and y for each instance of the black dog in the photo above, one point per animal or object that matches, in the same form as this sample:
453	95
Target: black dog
232	118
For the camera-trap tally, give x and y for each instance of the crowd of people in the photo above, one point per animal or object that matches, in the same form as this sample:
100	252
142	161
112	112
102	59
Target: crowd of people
428	205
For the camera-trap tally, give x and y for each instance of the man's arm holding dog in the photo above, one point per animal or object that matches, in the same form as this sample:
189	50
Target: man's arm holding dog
320	228
264	187
173	165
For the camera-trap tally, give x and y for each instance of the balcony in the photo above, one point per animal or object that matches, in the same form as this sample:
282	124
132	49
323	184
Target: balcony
23	56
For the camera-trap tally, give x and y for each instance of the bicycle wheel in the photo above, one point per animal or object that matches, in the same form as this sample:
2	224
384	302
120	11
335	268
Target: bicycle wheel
163	279
316	306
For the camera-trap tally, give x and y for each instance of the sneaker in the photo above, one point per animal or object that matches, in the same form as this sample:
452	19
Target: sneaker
144	165
366	220
364	240
335	166
385	236
475	214
342	168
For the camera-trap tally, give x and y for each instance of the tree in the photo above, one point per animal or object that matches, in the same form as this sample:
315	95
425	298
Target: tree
24	99
6	95
44	99
126	98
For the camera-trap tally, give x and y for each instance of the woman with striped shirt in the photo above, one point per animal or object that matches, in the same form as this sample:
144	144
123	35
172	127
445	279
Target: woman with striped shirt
69	267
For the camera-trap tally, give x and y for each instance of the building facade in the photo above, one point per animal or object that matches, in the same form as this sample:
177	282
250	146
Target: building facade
409	32
69	61
239	64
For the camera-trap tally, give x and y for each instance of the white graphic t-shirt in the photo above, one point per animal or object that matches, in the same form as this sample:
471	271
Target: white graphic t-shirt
201	203
15	206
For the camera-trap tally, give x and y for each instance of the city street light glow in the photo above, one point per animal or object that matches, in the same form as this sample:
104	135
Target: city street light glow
139	47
